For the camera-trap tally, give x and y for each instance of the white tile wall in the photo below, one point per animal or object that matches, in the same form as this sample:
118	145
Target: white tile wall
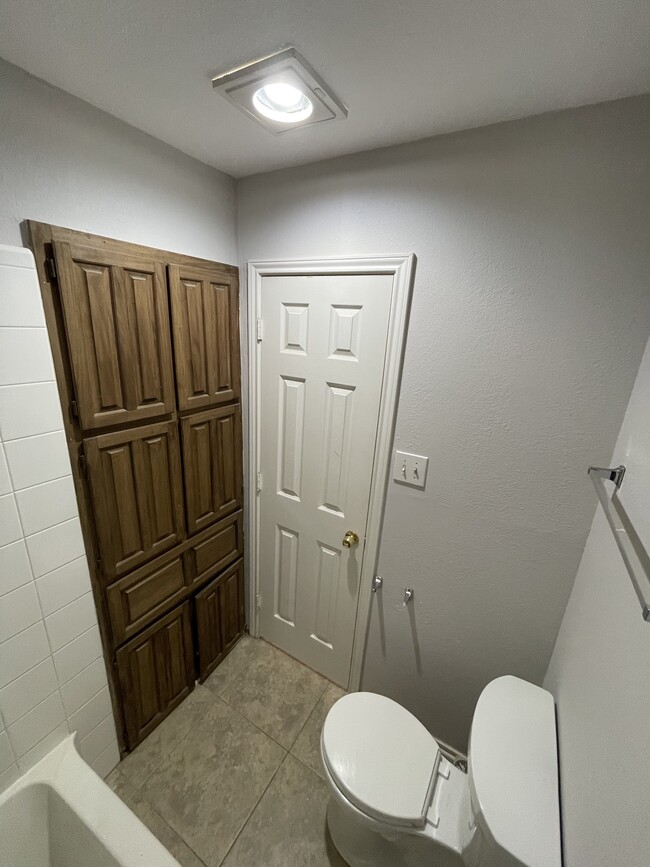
52	675
44	506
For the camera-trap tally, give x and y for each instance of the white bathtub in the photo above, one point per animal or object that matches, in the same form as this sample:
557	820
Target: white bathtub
61	814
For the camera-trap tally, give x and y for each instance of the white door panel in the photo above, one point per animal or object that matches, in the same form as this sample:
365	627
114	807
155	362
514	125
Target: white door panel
322	360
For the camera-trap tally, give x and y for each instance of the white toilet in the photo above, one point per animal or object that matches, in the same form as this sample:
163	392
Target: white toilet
397	802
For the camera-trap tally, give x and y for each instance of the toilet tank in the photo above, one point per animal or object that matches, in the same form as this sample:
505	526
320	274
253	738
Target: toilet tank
513	777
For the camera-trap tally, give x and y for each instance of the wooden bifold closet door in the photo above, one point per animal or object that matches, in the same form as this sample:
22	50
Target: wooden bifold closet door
117	324
156	672
220	617
137	492
205	321
147	355
213	471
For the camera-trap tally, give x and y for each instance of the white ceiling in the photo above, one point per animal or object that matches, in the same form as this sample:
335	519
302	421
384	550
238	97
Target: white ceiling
405	69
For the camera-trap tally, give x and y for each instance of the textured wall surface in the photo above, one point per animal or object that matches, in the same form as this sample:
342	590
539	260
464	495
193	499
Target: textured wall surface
530	314
600	676
64	162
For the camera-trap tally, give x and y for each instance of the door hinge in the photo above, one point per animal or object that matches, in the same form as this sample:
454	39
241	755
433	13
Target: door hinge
258	601
83	463
74	409
50	270
259	482
259	329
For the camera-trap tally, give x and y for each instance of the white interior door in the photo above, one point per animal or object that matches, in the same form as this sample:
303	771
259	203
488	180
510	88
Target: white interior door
322	365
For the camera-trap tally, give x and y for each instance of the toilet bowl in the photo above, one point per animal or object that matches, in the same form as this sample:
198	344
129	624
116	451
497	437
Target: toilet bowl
396	801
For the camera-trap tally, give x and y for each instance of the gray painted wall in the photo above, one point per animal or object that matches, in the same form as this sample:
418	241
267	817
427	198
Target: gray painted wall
600	676
64	162
530	314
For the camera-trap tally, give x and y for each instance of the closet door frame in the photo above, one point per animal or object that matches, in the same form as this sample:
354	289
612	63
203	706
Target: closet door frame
402	270
40	237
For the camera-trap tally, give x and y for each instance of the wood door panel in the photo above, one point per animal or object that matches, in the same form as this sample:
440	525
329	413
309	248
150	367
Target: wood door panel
117	324
215	548
208	629
220	617
233	615
212	459
205	323
136	488
137	599
156	672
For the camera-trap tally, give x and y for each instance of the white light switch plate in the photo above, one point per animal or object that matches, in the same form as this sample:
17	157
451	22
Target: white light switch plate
410	469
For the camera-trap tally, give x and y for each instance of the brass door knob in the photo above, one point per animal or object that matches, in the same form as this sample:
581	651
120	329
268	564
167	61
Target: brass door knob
350	539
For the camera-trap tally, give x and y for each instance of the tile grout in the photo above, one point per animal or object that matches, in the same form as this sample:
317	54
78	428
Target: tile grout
255	806
175	747
158	814
286	751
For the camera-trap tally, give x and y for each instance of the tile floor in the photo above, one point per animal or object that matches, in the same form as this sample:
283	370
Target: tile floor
233	776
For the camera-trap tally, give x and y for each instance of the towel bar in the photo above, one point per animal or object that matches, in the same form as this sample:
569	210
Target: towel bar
633	564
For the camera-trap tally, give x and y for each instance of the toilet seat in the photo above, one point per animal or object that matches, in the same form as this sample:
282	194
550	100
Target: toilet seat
381	758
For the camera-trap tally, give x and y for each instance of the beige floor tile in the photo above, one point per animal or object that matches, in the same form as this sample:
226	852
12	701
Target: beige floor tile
208	786
135	801
232	666
275	692
307	745
145	758
287	828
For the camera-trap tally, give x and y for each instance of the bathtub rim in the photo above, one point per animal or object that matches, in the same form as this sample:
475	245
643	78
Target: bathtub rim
127	839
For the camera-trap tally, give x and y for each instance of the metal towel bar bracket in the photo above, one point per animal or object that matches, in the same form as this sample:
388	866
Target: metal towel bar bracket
633	563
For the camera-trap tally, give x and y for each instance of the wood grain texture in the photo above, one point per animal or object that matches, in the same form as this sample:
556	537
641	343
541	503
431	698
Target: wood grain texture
112	357
117	323
215	548
205	324
137	599
137	493
220	618
156	672
212	447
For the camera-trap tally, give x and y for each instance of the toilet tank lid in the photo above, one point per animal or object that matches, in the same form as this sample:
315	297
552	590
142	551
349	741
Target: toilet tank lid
513	771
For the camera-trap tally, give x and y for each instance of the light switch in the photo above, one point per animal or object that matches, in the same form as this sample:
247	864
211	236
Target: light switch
410	469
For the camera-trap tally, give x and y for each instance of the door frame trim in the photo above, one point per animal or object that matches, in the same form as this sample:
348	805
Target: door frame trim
402	270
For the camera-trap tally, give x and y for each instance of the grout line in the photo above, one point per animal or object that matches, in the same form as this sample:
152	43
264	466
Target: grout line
309	768
248	818
38	484
31	382
92	698
67	604
58	725
43	433
159	815
31	626
85	632
140	786
81	671
33	707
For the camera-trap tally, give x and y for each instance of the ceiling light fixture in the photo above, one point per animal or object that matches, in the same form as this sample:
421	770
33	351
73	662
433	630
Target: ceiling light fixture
281	92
